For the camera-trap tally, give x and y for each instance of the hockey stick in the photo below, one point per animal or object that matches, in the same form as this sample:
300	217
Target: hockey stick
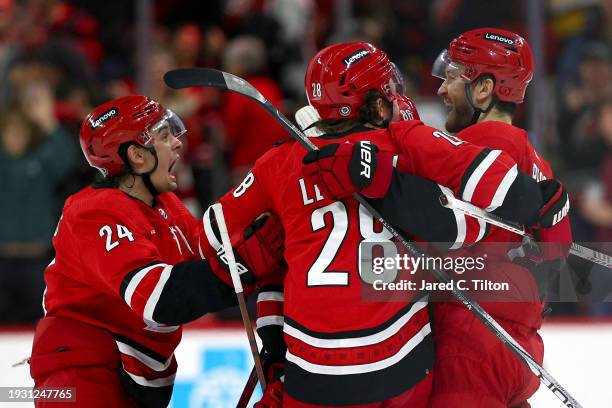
231	261
247	391
454	203
190	77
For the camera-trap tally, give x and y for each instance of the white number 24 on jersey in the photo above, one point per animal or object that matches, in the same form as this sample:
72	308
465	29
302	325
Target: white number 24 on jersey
122	232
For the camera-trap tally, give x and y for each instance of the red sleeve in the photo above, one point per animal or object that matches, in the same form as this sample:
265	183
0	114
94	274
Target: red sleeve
241	206
191	229
122	260
476	174
469	229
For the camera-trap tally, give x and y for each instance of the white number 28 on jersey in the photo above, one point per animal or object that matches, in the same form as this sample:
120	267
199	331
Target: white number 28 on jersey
318	275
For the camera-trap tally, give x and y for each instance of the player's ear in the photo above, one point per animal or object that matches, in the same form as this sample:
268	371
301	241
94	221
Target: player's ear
136	156
383	110
483	91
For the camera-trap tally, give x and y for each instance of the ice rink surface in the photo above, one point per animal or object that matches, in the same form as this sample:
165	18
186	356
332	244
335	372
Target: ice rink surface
214	363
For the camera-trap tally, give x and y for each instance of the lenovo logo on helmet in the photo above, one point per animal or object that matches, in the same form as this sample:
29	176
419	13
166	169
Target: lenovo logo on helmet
99	121
356	56
499	38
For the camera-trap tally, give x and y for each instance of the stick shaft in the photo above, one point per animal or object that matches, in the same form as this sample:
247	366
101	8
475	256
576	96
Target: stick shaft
231	260
589	254
247	391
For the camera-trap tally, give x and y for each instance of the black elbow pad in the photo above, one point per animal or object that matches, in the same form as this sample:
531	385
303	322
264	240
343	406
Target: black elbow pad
191	291
522	202
412	204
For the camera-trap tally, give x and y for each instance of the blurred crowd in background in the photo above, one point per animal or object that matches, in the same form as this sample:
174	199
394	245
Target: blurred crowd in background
60	58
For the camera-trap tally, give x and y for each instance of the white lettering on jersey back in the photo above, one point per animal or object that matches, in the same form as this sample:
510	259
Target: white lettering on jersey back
306	199
246	183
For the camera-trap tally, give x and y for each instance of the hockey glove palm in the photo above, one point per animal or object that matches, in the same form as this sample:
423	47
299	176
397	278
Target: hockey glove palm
272	396
343	169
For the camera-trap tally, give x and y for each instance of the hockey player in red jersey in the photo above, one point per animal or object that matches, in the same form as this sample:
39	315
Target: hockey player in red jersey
343	350
486	72
130	266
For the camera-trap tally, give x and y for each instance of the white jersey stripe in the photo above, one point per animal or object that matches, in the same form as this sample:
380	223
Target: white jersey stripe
502	189
143	358
157	382
208	230
44	297
184	239
200	249
362	368
477	174
271	296
356	341
461	223
481	232
269	321
135	281
157	291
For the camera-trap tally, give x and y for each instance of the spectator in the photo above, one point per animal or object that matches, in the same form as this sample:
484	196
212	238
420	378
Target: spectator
581	140
596	207
249	129
36	153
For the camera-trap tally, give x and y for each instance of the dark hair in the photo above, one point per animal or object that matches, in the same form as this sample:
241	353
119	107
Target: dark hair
503	107
368	114
113	181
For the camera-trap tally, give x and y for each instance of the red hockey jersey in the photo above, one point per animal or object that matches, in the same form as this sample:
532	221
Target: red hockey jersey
515	142
331	331
114	255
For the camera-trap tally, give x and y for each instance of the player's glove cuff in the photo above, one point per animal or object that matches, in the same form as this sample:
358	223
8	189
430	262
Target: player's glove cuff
556	203
343	169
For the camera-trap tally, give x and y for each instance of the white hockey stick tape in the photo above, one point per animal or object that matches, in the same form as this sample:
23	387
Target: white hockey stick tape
227	245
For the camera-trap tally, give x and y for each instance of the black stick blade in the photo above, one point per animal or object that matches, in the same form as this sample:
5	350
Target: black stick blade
189	77
208	77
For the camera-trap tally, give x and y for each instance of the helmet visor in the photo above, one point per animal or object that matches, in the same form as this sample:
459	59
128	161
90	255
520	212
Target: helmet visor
398	86
170	125
445	68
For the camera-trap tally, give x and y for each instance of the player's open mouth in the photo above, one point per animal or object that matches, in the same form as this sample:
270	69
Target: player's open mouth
448	104
171	168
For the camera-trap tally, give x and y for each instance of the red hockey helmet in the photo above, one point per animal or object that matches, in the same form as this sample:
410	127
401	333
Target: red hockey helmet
127	119
503	54
339	76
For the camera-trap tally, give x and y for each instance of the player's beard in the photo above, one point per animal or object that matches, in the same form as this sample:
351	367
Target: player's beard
460	116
